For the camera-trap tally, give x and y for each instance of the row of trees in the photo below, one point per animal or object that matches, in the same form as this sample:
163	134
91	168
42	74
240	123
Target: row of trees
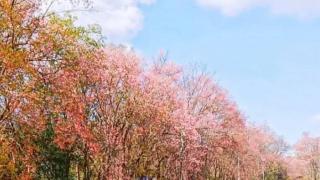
73	108
305	162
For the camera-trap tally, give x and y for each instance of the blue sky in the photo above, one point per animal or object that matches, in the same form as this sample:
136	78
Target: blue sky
266	53
268	63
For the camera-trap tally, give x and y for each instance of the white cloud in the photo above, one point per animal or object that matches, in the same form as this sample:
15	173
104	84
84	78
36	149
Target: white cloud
120	20
315	118
304	9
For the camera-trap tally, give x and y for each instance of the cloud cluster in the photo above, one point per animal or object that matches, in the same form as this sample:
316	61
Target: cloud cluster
122	19
304	9
119	19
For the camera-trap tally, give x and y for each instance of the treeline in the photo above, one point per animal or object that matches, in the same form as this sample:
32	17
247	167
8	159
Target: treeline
74	108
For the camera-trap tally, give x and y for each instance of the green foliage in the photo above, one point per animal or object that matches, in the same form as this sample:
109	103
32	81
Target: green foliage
276	172
53	162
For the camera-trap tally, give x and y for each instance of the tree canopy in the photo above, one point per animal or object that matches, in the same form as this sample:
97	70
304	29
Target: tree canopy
72	107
